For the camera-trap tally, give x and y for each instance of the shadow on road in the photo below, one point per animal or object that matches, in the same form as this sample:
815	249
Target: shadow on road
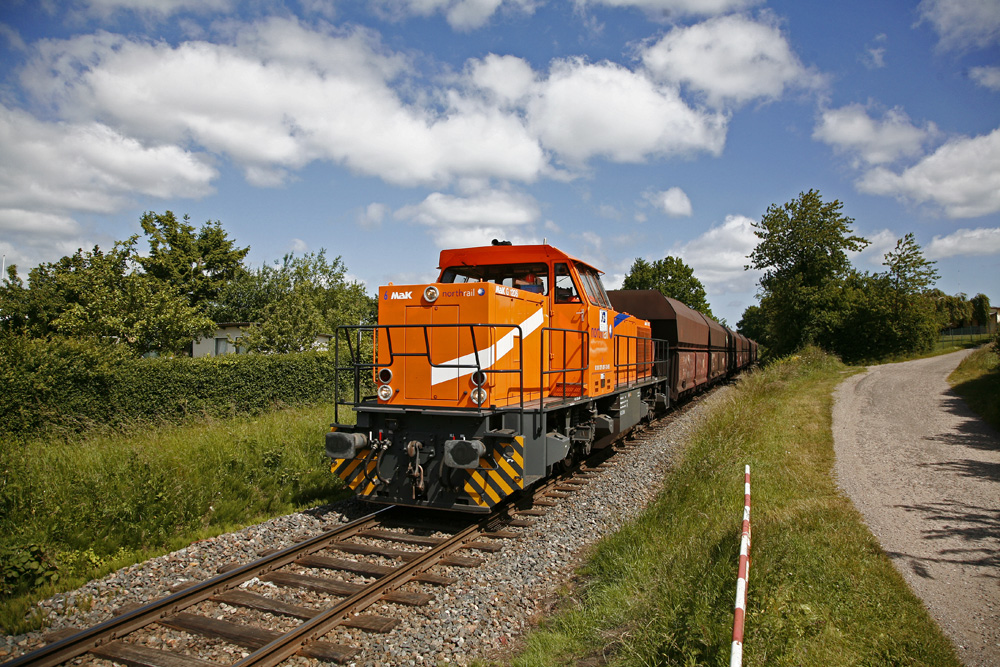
977	526
973	431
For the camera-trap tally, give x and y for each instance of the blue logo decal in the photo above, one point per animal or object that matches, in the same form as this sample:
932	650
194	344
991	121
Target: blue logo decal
480	291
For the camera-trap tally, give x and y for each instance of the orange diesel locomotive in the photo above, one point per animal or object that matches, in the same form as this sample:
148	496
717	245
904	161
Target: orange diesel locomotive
512	363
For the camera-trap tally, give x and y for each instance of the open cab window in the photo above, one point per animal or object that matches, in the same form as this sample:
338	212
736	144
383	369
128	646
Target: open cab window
530	277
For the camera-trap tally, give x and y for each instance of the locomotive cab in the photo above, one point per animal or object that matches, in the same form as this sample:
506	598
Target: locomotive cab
511	363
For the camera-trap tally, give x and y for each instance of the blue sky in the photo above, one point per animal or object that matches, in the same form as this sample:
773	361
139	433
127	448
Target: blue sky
386	130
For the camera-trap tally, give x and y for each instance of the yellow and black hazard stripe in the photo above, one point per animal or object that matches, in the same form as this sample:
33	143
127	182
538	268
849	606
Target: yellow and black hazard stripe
358	475
499	476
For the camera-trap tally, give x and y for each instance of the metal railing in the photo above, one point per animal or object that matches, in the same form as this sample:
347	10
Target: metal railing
655	365
367	347
359	369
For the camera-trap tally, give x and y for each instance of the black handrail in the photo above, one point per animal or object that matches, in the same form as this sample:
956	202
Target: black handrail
356	366
656	364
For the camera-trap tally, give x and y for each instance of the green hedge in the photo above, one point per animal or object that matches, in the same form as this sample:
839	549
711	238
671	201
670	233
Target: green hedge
76	385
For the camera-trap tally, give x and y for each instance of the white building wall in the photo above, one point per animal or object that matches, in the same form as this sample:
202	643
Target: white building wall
219	343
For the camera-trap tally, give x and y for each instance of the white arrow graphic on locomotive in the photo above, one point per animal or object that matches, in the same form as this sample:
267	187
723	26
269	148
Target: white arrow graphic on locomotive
487	356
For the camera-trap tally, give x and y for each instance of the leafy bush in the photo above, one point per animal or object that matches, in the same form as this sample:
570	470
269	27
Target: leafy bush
70	385
25	567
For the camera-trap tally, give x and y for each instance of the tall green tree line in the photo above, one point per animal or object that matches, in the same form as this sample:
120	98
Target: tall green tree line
810	294
189	279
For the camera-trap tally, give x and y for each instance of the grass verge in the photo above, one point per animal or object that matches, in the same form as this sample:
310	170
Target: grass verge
821	591
977	380
79	507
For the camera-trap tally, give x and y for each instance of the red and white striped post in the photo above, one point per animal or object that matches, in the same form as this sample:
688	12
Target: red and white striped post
736	657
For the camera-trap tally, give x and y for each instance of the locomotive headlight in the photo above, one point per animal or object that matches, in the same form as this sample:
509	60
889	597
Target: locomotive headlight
385	392
431	294
479	395
385	375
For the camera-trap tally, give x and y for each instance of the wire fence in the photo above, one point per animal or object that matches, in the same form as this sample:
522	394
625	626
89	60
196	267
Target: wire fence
965	336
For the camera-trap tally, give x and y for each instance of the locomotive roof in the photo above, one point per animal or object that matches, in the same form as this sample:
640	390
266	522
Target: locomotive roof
506	254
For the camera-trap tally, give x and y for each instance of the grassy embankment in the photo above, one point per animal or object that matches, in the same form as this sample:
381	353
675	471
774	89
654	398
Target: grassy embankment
821	591
977	380
76	507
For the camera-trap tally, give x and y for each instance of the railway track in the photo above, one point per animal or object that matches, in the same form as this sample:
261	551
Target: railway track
389	556
358	583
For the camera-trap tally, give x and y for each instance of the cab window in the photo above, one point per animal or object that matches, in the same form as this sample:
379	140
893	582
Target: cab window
592	284
530	277
566	291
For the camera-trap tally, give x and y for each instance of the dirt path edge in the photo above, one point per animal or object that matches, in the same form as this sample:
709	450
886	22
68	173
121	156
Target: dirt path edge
924	472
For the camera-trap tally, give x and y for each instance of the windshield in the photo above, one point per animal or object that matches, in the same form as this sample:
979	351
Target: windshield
592	285
531	277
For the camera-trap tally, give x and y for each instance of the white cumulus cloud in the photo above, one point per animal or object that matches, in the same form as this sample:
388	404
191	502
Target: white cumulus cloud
508	79
719	255
23	224
159	8
962	24
474	219
673	201
851	129
463	15
873	255
279	96
729	59
987	77
965	242
962	177
676	7
60	167
874	54
373	215
585	110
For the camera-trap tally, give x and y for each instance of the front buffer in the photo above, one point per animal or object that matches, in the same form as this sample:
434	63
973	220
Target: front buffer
428	459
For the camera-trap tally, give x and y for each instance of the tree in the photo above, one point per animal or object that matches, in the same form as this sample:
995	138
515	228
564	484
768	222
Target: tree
673	278
290	324
980	310
247	296
753	324
909	272
197	265
803	253
293	300
98	295
953	311
912	324
805	240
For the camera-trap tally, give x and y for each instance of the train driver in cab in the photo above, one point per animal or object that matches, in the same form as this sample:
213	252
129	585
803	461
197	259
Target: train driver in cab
529	282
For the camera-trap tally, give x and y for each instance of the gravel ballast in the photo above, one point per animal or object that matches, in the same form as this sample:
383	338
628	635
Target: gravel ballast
482	614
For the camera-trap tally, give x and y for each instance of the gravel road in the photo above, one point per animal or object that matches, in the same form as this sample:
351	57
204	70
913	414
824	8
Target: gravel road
925	473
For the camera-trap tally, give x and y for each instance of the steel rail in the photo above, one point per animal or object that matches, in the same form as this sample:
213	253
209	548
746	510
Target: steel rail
70	647
292	642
